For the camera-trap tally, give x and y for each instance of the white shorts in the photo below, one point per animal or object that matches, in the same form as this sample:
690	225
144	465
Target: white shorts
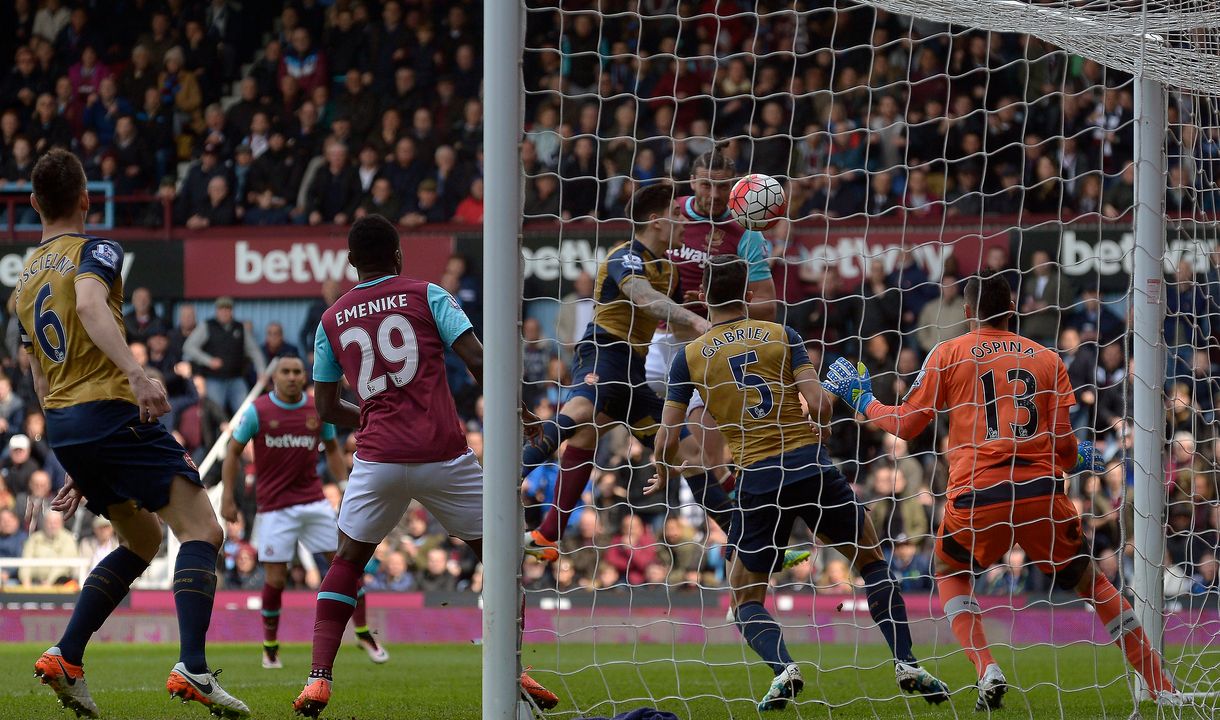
378	494
276	533
661	353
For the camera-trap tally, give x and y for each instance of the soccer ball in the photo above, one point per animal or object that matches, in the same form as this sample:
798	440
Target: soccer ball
757	201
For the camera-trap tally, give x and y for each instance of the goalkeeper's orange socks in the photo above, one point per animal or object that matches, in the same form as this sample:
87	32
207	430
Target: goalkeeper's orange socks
966	619
575	467
1114	610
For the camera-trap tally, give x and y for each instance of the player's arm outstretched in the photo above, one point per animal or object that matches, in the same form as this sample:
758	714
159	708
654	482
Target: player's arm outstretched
852	384
643	295
93	309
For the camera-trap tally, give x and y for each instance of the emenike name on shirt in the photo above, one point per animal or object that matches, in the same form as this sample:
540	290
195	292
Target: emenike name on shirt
371	307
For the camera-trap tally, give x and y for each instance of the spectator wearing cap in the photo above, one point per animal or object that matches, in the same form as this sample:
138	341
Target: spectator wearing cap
19	467
334	194
219	210
194	191
380	201
50	542
142	319
275	177
274	345
304	63
222	349
426	208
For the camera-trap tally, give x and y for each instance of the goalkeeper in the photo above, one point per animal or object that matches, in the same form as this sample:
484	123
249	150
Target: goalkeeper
1010	441
751	375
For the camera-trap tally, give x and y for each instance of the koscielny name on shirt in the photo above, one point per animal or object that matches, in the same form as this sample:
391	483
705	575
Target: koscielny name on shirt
713	345
371	307
290	441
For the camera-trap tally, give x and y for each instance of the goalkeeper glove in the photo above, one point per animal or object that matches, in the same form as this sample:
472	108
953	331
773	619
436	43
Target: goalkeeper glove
1087	459
851	383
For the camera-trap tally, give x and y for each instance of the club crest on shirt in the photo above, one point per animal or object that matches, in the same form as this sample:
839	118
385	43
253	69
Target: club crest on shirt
714	238
106	255
274	424
190	462
312	422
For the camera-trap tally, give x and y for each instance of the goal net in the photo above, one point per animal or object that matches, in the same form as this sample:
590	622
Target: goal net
919	143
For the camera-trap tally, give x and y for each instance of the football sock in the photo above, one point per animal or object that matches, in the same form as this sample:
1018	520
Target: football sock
272	600
360	620
1126	631
336	603
102	592
575	467
708	493
965	618
889	611
539	451
764	635
194	593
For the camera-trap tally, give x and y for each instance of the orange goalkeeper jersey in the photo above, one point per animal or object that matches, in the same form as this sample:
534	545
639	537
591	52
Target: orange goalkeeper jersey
1002	392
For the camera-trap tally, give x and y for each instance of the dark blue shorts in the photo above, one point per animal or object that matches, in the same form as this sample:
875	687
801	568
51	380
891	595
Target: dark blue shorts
611	376
138	462
762	522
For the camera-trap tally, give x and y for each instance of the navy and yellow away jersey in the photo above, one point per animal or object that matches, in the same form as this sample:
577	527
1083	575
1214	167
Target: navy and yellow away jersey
88	394
745	371
614	315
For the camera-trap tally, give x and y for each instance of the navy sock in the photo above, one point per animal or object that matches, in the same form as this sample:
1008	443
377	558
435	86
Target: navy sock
709	493
539	451
763	633
194	591
889	611
102	592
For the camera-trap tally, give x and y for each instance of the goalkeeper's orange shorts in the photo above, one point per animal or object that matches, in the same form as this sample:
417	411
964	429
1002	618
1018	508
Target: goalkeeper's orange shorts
979	527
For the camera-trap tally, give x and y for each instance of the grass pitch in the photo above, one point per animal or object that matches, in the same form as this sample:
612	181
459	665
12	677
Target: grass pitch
439	682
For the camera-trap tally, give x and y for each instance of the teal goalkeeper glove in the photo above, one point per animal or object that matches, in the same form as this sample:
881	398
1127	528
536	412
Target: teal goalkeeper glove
851	383
1087	459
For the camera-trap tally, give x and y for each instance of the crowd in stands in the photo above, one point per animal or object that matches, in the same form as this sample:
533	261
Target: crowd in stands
349	108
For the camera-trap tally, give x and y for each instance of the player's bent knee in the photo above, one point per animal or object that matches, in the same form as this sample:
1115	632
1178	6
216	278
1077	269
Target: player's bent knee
1077	574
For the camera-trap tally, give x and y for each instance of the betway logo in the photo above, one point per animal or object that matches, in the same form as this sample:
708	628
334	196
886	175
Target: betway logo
290	441
304	262
570	259
686	254
852	254
1107	256
12	265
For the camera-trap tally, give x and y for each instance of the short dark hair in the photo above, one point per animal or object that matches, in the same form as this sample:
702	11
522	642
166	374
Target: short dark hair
654	199
991	297
714	160
372	242
725	279
58	180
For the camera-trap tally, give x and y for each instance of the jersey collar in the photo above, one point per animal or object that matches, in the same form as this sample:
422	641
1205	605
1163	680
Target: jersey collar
737	319
283	405
371	283
53	238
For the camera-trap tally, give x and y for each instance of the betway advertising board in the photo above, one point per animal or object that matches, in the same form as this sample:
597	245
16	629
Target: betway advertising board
154	264
1105	254
291	265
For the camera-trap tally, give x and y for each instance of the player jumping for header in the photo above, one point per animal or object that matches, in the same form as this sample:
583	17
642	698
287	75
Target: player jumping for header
635	289
286	431
1010	441
752	375
388	336
102	411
